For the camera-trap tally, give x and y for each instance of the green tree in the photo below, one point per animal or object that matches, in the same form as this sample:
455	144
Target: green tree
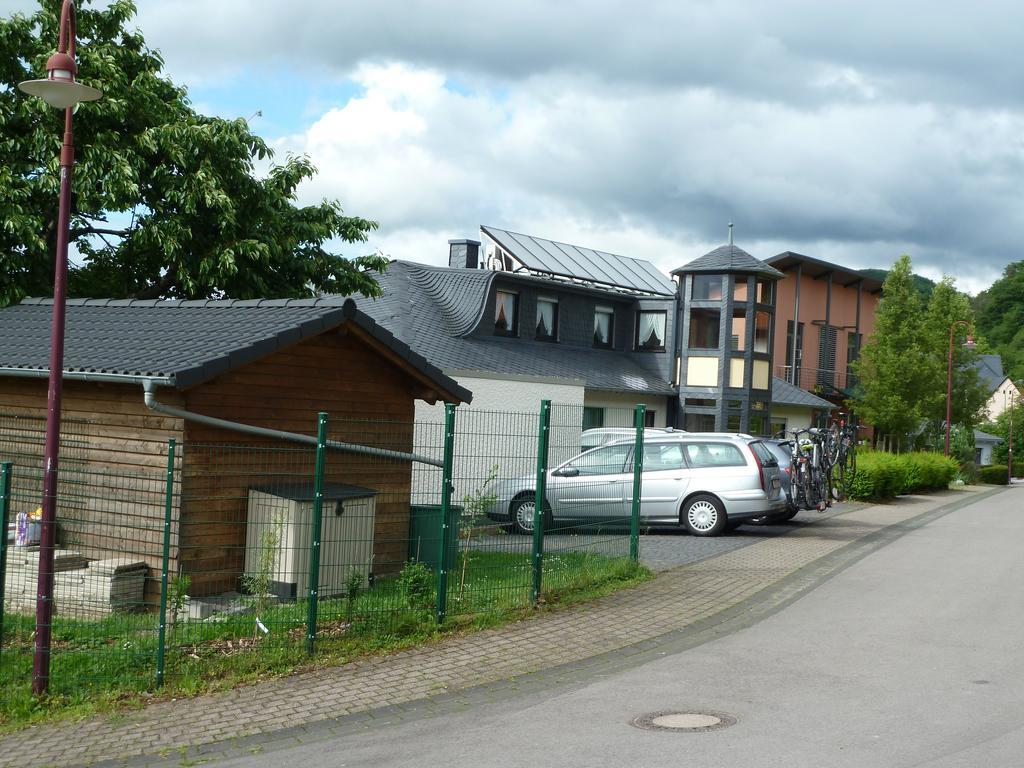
1000	311
947	307
891	367
166	202
1000	427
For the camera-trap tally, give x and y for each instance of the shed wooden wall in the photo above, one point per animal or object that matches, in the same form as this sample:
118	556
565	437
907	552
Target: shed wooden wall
370	401
113	460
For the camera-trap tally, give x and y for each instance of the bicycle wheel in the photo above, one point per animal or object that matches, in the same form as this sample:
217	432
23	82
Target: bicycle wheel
807	486
838	479
832	443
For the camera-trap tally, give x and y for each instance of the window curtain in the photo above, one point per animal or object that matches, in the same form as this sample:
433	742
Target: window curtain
602	328
504	311
652	329
546	318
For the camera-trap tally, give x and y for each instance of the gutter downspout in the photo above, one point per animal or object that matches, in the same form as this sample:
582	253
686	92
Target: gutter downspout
153	404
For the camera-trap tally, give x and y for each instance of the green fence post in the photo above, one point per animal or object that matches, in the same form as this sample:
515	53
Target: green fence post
443	566
543	437
165	565
638	474
6	471
317	532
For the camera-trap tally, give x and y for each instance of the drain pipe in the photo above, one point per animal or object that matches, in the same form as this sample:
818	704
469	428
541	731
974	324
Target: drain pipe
276	434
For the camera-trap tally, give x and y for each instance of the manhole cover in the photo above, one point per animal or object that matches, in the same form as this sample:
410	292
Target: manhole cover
694	720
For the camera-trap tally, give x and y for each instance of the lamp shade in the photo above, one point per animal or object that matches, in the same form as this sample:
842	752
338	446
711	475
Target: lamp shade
60	89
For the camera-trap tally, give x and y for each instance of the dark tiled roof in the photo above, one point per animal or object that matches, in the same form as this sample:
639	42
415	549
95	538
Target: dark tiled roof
784	393
990	371
187	342
728	258
985	437
428	307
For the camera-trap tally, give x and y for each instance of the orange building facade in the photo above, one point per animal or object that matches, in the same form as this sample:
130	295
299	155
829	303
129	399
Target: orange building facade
823	315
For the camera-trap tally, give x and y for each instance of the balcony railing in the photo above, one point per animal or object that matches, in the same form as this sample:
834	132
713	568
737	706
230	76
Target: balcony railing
822	381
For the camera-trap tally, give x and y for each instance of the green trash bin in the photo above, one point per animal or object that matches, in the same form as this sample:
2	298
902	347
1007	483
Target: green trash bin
425	534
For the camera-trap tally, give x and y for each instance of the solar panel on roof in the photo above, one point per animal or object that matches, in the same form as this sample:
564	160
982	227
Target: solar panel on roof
564	260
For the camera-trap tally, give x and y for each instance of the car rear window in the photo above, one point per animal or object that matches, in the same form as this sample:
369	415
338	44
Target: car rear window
714	455
764	453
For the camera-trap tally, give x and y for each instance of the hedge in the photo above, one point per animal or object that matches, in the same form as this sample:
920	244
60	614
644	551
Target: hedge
885	475
995	474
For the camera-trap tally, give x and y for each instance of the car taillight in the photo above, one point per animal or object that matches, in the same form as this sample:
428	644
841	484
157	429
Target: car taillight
760	468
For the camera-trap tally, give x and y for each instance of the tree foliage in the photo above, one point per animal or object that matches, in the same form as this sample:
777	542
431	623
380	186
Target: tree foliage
1000	311
166	202
903	366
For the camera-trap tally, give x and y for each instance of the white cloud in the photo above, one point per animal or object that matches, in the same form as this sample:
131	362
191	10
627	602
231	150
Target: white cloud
852	132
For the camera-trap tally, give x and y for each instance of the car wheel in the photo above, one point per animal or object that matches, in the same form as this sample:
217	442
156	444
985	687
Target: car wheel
704	515
521	514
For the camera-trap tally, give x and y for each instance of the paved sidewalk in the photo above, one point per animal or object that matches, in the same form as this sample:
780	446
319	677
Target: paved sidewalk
497	661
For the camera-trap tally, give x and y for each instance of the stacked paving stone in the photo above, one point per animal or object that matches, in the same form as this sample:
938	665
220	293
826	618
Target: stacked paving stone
81	588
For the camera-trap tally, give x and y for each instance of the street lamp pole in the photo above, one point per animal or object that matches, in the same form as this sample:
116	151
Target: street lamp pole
949	373
1009	459
59	90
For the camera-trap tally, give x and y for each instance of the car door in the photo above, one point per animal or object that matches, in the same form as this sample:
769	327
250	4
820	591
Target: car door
591	485
665	479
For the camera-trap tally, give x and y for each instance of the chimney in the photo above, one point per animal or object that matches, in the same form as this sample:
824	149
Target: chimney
464	254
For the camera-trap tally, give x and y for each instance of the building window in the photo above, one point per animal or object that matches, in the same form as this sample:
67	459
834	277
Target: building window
700	422
740	289
704	325
853	344
732	422
604	326
649	418
778	427
593	417
699	402
794	376
738	336
827	337
547	319
707	288
506	313
762	331
650	330
765	291
756	427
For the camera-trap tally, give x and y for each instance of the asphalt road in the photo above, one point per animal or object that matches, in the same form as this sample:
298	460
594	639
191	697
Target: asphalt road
910	657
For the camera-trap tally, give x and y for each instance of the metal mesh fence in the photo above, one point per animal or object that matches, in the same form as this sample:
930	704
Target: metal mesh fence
232	556
106	567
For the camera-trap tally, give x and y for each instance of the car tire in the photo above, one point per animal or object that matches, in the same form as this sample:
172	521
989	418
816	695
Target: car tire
520	513
704	515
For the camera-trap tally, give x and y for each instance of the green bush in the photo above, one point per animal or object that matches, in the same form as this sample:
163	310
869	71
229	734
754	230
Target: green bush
927	471
879	476
969	472
996	474
884	475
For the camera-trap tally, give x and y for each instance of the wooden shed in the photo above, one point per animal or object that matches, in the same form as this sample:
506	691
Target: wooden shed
216	374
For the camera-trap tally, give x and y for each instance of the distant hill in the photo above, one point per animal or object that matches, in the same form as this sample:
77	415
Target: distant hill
923	285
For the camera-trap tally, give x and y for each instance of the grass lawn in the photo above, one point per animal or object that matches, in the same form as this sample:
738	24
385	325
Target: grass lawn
107	664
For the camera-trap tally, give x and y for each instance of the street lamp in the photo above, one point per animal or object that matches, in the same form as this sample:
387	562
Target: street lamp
949	372
59	90
1009	456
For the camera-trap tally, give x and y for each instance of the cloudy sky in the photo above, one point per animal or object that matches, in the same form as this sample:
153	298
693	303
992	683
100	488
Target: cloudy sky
848	131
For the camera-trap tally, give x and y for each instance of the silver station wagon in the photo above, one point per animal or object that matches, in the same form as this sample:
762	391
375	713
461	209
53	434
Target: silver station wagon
704	482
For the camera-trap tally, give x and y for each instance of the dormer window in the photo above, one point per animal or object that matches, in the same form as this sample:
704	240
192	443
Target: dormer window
506	313
547	319
604	327
650	330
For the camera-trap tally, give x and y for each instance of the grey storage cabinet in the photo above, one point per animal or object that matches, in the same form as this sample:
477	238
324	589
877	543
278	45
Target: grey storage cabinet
281	518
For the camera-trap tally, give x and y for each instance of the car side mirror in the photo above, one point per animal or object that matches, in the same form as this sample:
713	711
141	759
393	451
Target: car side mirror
566	472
